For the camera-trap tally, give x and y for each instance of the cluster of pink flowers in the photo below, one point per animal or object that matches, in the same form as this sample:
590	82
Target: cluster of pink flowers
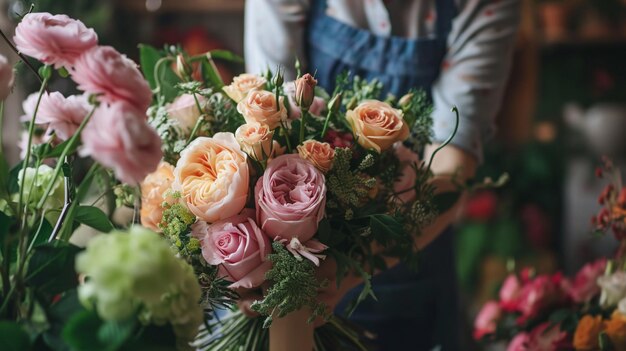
118	135
530	298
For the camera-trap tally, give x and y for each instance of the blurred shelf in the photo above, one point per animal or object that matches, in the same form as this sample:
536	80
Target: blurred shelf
169	6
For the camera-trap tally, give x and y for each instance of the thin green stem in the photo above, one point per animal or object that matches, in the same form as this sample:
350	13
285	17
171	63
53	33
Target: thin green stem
286	132
194	131
70	145
305	113
445	143
325	128
31	131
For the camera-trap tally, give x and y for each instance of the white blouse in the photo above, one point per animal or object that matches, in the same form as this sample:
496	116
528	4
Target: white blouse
473	72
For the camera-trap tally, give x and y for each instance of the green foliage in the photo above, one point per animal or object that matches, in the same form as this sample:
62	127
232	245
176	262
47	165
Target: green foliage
86	331
13	337
156	67
93	217
417	113
360	90
294	287
51	268
348	188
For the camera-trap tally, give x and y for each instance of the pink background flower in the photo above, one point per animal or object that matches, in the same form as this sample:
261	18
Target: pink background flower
585	285
55	40
61	114
291	198
6	77
487	319
509	293
519	343
546	337
103	70
238	245
119	138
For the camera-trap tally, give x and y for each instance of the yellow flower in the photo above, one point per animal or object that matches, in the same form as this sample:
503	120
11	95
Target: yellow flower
586	335
616	331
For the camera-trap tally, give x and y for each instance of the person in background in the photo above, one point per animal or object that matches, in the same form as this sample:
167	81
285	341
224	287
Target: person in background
459	52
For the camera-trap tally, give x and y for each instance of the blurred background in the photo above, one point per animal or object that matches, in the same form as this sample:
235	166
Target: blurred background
565	106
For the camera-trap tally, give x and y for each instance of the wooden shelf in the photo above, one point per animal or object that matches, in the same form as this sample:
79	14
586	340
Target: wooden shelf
165	6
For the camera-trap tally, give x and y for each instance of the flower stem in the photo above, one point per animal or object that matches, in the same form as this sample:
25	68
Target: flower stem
286	132
21	56
305	113
31	131
445	143
66	150
330	113
194	131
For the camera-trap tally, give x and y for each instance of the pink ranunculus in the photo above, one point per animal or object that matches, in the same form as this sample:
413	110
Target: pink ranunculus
408	159
114	77
238	245
539	294
585	286
61	114
184	110
53	39
548	337
28	106
118	138
7	77
316	108
509	293
487	319
291	198
519	343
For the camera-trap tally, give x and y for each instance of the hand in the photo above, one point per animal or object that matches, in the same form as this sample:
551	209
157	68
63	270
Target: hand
246	298
331	294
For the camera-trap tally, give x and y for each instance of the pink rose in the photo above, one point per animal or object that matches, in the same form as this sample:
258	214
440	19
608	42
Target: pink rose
104	71
509	293
213	177
119	138
305	90
546	337
585	285
291	198
538	295
61	114
54	40
239	246
260	106
6	77
185	112
408	159
317	106
487	319
519	343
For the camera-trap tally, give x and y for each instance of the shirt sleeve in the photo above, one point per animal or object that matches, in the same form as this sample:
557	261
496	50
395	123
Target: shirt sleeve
474	71
274	35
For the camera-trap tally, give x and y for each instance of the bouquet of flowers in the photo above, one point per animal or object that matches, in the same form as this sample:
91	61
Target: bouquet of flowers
239	187
263	179
551	312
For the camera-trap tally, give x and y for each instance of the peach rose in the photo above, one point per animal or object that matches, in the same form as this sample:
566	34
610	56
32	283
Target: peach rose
243	84
260	106
377	125
255	140
212	176
321	155
153	190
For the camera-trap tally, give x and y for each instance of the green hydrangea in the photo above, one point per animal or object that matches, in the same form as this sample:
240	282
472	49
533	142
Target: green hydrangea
137	273
35	183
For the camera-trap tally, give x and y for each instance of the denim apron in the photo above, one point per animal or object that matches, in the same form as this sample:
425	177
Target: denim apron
415	310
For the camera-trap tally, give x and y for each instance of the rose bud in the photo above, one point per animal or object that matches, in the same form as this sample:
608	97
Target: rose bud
183	69
405	100
305	90
335	103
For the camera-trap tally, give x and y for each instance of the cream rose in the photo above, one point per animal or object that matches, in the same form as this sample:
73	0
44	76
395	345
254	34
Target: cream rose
212	176
255	139
243	84
377	125
153	191
260	106
321	155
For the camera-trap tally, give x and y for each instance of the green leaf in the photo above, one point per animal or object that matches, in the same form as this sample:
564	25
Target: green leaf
58	315
605	342
51	268
81	332
385	227
13	337
13	177
58	150
4	176
226	56
116	333
93	217
211	75
445	201
148	57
